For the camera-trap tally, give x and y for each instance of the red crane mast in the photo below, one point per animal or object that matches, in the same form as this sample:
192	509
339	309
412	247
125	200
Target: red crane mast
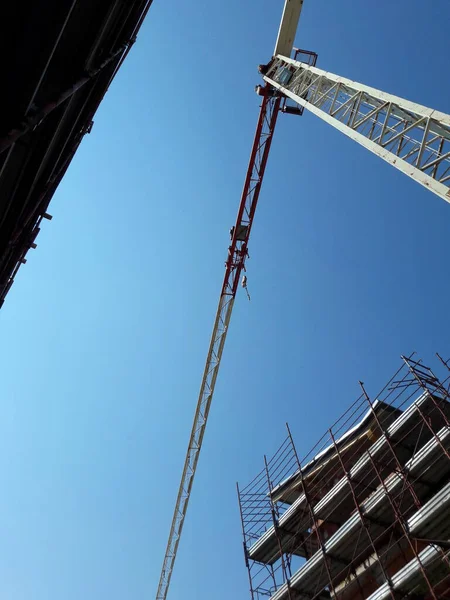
234	265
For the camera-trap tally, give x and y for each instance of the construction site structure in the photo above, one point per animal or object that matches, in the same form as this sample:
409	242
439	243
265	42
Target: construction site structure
366	513
411	137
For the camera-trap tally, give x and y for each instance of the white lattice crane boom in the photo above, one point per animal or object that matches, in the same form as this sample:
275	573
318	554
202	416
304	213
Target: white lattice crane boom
411	137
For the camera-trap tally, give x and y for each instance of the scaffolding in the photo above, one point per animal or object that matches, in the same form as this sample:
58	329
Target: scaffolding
366	513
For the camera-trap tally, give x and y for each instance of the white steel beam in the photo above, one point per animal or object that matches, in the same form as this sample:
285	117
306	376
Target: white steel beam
411	137
288	27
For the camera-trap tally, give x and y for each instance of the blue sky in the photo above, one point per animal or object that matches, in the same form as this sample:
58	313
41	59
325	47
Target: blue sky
105	332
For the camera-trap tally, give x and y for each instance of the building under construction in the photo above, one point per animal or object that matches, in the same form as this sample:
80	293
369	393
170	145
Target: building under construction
366	513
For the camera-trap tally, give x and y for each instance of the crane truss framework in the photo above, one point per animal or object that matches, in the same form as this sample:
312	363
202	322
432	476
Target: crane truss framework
201	415
235	263
411	137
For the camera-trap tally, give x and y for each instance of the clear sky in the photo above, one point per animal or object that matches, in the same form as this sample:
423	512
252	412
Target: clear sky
105	332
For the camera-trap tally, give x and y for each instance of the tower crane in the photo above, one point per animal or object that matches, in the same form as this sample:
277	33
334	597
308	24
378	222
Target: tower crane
410	137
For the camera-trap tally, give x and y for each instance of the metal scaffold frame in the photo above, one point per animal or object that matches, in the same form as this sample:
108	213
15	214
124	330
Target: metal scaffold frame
411	137
375	488
257	510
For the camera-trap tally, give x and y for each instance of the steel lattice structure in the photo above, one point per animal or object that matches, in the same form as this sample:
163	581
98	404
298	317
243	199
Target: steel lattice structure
234	265
411	137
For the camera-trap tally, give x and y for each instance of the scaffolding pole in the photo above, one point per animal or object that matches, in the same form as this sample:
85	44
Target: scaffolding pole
375	479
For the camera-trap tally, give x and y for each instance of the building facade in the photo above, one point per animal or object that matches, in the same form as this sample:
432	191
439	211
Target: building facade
366	514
